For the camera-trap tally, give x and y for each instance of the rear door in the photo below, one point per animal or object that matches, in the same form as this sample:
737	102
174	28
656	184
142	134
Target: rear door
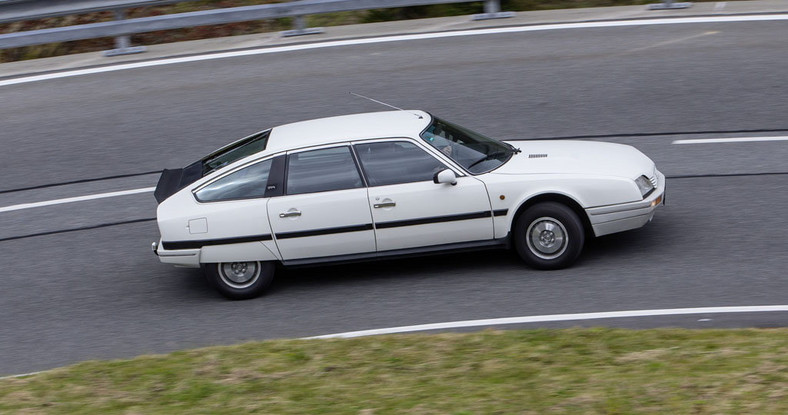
410	210
324	210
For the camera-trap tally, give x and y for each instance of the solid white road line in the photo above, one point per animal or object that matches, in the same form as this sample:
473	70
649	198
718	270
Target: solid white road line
730	140
75	199
534	319
398	38
552	318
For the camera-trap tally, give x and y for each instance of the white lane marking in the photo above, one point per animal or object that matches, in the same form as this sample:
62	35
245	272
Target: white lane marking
719	6
22	375
75	199
730	140
398	38
534	319
674	41
552	318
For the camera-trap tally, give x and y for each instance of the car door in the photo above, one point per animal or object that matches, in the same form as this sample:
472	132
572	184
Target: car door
410	210
324	210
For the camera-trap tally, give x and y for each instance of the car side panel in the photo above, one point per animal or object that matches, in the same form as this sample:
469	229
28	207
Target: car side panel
426	213
509	192
330	223
236	230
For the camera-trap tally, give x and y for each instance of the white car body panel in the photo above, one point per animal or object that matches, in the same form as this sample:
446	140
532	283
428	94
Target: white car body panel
246	251
347	128
325	211
577	157
599	179
425	200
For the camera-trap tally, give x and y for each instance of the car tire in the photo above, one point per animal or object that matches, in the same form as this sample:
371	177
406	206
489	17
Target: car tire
549	235
240	280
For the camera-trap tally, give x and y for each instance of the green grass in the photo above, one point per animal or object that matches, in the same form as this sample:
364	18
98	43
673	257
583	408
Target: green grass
241	28
576	371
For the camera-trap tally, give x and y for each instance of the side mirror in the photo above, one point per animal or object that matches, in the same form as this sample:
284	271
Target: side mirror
445	176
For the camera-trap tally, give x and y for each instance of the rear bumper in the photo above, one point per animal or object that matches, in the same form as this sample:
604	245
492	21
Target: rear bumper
618	218
187	258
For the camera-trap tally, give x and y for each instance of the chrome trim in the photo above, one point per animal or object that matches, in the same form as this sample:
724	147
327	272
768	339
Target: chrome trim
174	255
384	205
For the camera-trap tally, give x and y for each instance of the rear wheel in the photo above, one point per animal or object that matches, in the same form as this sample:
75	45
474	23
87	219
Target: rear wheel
240	280
549	235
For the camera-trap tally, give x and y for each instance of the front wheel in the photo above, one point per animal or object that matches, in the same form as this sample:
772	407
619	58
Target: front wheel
549	235
240	280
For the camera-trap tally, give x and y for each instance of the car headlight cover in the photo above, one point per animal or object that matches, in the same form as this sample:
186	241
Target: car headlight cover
644	185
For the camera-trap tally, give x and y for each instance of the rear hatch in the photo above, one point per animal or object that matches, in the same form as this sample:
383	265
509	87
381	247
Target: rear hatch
173	180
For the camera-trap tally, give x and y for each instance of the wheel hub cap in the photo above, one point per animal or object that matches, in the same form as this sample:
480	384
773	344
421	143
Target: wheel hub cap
547	238
239	272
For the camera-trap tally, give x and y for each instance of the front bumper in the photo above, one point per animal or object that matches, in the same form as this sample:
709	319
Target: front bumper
626	216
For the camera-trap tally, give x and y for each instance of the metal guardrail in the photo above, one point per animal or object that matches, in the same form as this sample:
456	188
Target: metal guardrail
122	28
668	5
16	10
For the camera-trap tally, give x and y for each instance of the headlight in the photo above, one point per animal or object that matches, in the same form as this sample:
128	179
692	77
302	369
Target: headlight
644	185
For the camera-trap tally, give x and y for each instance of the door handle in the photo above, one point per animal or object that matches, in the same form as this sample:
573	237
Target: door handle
384	205
290	214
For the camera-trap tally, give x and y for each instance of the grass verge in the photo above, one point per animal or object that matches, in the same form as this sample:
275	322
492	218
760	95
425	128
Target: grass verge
575	371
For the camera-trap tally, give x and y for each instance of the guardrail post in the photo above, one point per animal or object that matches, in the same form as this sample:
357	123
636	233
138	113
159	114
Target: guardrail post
300	28
492	10
123	43
669	4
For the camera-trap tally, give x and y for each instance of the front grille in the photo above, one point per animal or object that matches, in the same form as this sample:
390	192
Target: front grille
653	180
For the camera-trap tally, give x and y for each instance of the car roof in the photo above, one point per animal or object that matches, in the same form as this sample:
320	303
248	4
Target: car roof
404	123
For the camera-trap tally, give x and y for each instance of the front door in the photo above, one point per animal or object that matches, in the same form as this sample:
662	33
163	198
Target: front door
410	210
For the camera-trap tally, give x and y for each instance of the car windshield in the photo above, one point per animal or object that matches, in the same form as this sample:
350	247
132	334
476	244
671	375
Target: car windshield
473	151
234	152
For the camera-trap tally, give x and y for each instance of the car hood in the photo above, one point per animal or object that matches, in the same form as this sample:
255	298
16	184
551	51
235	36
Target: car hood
577	157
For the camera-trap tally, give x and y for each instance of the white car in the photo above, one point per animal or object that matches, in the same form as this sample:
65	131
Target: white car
393	183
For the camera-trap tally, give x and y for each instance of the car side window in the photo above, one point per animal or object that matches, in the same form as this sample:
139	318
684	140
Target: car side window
322	171
246	183
394	162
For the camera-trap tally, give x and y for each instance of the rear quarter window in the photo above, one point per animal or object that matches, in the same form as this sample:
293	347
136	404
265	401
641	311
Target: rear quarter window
247	183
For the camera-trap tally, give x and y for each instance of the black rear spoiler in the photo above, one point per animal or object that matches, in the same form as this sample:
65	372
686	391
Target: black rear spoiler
173	180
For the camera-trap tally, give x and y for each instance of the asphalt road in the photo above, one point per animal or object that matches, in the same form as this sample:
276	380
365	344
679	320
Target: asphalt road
79	281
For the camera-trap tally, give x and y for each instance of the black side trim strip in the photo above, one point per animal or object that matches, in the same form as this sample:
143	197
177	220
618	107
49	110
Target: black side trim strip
500	212
434	219
327	231
173	245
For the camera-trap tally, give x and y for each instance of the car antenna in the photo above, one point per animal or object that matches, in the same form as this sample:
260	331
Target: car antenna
382	103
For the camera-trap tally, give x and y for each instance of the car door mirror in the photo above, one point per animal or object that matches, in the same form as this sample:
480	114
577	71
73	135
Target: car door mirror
445	176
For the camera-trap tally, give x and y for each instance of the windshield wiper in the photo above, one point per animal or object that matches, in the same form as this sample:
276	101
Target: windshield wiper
488	157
